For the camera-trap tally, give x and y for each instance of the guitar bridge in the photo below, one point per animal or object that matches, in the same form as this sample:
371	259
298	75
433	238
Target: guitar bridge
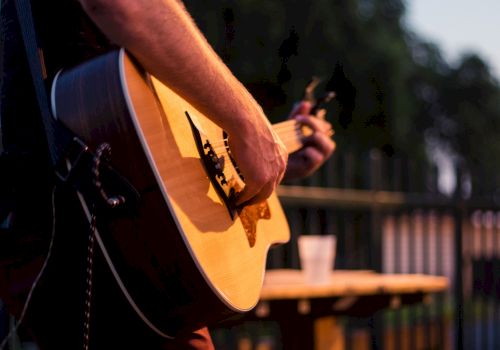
226	188
214	166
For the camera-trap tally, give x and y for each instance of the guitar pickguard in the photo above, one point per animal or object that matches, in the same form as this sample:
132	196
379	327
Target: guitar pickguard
250	215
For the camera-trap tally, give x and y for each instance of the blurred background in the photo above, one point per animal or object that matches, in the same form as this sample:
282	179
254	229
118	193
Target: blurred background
413	78
417	118
413	186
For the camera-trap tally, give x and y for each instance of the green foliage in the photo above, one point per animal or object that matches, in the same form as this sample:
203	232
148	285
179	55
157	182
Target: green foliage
394	91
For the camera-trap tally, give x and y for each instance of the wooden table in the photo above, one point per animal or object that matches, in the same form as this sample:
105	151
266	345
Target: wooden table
301	309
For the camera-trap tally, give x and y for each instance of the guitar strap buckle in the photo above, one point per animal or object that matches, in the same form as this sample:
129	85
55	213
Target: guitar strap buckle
88	172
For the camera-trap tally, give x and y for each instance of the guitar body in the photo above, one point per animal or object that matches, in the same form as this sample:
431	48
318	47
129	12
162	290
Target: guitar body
186	257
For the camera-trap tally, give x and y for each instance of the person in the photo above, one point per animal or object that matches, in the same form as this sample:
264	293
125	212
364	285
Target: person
164	39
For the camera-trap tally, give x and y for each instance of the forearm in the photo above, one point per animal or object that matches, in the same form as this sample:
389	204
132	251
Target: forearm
165	40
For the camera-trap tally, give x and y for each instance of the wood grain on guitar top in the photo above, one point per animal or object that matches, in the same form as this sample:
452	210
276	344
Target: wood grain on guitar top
219	244
200	264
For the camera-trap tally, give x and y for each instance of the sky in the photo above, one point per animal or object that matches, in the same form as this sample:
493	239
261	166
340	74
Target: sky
459	26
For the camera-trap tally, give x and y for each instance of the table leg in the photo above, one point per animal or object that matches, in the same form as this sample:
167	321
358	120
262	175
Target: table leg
301	332
328	334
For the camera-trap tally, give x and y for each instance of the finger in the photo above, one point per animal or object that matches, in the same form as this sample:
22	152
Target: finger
321	114
248	192
264	194
257	197
322	143
300	108
311	159
316	124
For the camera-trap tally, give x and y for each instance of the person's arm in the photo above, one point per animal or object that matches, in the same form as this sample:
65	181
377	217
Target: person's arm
318	147
167	43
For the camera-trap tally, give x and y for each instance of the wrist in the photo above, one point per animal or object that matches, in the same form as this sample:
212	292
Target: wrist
247	118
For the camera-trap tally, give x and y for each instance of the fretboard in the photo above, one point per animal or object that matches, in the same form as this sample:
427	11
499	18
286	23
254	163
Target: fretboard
292	134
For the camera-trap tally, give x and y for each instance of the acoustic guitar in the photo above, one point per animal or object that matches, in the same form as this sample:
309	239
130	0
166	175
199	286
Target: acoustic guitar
187	256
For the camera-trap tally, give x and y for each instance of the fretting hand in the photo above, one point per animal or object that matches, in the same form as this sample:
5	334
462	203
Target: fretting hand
318	147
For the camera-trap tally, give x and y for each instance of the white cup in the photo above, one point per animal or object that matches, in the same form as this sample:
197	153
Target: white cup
317	257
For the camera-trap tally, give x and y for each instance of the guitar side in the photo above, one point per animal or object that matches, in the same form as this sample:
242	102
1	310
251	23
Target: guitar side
183	226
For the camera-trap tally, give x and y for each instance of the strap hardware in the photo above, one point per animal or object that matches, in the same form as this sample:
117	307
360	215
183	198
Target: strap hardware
68	165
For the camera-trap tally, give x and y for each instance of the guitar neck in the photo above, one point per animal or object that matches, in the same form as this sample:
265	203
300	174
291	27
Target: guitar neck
292	134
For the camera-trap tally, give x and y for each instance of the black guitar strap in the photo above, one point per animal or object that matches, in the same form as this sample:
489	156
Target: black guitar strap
75	164
59	138
72	160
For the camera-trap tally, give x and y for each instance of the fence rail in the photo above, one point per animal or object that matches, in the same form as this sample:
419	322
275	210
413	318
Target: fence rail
388	216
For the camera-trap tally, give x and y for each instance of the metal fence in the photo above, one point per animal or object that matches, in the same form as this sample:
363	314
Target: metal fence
389	217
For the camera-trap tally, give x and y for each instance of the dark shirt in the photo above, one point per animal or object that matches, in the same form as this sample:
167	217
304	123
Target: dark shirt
67	37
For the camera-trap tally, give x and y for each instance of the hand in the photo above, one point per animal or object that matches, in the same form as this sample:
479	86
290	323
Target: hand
318	147
169	45
261	158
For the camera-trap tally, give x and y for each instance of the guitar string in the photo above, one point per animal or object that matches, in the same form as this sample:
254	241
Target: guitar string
288	139
290	131
228	168
278	129
284	129
292	135
287	134
286	126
